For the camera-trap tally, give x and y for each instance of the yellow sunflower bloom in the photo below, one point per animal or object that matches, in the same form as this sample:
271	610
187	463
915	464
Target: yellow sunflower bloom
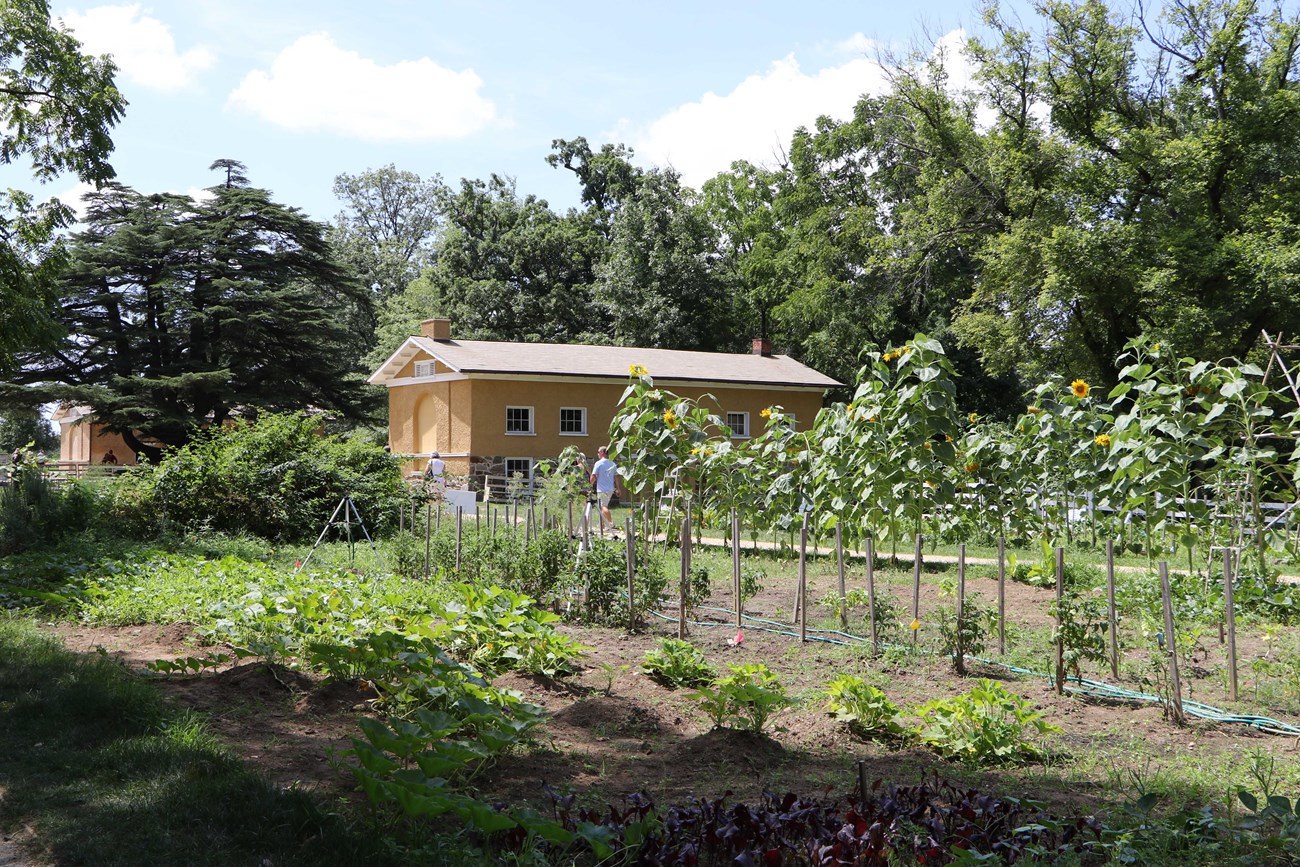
670	418
1033	410
1102	440
974	417
914	625
637	370
1080	388
767	413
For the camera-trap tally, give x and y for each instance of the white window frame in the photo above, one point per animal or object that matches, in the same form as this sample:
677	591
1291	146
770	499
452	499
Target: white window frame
570	433
528	476
532	423
745	417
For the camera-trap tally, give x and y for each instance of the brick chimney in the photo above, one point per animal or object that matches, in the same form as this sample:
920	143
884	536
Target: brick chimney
437	329
763	347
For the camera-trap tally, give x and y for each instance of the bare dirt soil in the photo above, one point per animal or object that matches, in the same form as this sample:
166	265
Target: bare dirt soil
613	730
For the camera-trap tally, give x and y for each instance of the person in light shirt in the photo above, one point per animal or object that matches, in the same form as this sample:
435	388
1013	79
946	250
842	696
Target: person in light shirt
603	474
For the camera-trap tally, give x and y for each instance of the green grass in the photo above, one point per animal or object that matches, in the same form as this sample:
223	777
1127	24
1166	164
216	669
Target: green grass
107	774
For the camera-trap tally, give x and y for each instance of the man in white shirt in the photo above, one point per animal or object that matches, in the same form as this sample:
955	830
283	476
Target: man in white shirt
437	466
603	474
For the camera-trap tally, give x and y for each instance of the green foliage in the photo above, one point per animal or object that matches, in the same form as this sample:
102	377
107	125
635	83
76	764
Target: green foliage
678	663
492	630
278	478
985	725
1082	629
744	699
33	511
866	710
970	636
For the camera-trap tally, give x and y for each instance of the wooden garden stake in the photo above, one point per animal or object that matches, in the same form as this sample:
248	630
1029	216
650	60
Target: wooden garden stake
1112	620
1060	633
916	589
570	519
1175	685
1002	595
735	565
437	520
427	534
631	572
493	513
839	560
803	579
459	520
1231	615
686	575
959	659
871	593
476	525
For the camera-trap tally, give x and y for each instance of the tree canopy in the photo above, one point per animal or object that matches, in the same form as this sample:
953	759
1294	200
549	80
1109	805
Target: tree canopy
182	313
57	108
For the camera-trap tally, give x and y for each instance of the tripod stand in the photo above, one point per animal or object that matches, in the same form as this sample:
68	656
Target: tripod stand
349	510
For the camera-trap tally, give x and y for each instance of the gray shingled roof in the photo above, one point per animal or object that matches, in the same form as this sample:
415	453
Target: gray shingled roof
559	359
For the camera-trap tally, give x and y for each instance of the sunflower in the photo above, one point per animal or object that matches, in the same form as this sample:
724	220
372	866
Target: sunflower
1033	410
972	467
1080	388
767	413
974	417
636	370
670	418
1102	440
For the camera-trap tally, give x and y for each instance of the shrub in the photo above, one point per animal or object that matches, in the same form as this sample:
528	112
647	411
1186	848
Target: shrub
278	478
866	710
34	511
969	637
678	663
985	725
746	698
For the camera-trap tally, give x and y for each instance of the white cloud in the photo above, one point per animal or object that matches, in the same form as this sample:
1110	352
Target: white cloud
315	86
142	46
755	120
72	197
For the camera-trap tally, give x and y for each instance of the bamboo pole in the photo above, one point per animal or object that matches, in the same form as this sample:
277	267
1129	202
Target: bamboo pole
1002	595
871	594
839	561
1112	619
427	538
1060	635
916	588
1175	684
1231	615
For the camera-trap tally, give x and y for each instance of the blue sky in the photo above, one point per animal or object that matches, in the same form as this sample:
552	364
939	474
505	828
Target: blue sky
301	91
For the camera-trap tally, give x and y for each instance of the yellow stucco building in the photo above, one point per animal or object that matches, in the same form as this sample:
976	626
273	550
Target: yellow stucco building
495	408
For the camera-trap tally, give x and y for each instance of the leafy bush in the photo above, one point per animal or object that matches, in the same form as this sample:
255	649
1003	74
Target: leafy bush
678	663
746	698
866	710
493	630
985	725
970	636
33	511
278	478
1082	630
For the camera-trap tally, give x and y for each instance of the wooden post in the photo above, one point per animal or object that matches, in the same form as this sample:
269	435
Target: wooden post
1060	636
735	566
459	520
532	519
631	572
959	658
570	519
427	535
401	517
839	560
493	513
871	594
1112	620
1230	613
1002	595
1175	685
916	588
437	520
686	575
803	579
476	524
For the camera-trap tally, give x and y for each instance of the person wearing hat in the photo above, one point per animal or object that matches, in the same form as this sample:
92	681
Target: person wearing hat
437	466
